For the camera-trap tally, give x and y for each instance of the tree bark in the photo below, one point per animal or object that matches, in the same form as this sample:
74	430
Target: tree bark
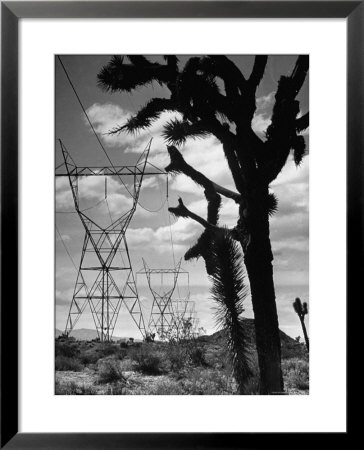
258	261
305	333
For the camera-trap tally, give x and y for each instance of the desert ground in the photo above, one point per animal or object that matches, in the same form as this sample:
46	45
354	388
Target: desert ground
197	366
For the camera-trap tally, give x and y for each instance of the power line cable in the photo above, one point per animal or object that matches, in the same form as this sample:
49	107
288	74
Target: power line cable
89	121
65	247
98	139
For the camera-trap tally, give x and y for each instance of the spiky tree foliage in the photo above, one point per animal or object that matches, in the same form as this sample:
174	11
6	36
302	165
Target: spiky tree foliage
213	97
229	291
224	266
301	310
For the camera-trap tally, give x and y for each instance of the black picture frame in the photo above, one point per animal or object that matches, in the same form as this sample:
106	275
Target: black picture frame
11	12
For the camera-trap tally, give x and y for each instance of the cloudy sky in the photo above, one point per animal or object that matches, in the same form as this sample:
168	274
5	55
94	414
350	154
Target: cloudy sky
149	233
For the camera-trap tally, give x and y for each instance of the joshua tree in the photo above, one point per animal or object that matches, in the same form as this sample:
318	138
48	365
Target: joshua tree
207	109
301	310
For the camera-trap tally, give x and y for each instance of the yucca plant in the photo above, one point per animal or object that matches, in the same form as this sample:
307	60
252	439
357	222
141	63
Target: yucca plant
223	261
205	109
301	310
228	292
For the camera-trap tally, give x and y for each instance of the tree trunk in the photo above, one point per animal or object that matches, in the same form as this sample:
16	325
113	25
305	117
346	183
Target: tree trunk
258	262
305	334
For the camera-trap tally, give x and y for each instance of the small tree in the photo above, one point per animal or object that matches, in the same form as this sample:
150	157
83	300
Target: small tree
301	310
206	109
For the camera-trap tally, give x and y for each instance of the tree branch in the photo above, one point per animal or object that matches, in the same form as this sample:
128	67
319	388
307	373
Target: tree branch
177	131
282	132
182	211
179	165
303	122
118	76
224	68
146	115
257	73
203	245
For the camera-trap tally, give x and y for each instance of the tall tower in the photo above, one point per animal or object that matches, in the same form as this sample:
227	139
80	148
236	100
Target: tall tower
105	278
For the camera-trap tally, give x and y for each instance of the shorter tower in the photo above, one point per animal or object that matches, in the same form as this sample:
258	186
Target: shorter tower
166	315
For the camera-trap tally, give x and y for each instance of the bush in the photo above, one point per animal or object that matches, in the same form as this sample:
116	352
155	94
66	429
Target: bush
89	357
92	354
147	359
208	382
167	387
108	349
117	389
65	363
296	373
110	371
73	388
177	355
127	365
197	355
67	348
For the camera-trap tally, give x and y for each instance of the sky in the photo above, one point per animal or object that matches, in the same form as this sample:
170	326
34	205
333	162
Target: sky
158	237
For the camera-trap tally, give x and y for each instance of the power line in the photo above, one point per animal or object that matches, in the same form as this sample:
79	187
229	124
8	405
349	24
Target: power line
86	209
111	163
89	121
65	247
99	140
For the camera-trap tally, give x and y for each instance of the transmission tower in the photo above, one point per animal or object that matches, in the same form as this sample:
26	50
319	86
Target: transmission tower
167	314
105	278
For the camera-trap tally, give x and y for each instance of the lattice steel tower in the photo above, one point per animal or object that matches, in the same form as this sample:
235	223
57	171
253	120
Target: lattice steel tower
105	278
167	313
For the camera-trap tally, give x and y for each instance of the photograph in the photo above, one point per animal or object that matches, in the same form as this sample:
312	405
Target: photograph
181	224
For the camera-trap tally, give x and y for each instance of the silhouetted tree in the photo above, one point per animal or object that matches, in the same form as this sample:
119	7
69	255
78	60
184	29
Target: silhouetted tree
301	310
207	109
224	267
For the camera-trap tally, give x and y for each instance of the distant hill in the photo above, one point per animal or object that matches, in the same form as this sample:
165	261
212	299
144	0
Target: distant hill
290	347
86	334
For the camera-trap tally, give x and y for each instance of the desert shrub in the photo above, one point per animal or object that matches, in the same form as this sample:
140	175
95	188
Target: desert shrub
296	373
293	349
89	357
167	387
72	388
121	353
116	389
208	382
109	371
127	365
67	348
197	356
92	354
66	363
177	356
148	360
107	349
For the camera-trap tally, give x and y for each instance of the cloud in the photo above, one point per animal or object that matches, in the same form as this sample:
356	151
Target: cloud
159	240
260	123
149	182
108	116
92	192
207	156
104	118
262	116
299	244
63	237
265	102
64	297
